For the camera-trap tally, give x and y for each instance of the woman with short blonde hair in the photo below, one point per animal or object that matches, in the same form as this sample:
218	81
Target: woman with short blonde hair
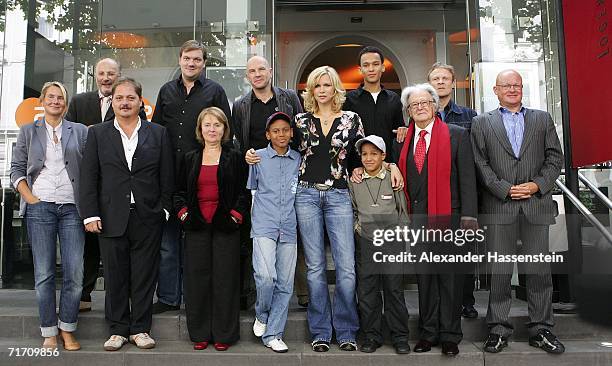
47	177
310	103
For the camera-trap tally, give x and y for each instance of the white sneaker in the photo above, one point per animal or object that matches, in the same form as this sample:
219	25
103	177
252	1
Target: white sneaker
277	346
115	342
259	328
142	340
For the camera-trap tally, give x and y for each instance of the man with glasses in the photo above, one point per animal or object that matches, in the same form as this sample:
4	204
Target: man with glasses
518	156
442	78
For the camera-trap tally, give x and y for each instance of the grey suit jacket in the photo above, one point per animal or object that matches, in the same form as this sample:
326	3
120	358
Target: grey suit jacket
540	160
29	154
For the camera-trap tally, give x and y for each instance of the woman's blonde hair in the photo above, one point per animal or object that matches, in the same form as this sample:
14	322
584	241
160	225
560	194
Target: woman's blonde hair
218	114
62	89
310	102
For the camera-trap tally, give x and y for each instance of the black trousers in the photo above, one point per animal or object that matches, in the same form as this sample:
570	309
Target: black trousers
211	280
370	281
468	290
440	297
131	264
91	265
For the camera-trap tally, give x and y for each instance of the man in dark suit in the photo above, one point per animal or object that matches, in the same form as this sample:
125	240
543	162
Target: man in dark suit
91	108
126	188
518	157
440	184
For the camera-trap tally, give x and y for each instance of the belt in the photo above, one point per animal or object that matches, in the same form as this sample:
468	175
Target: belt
317	186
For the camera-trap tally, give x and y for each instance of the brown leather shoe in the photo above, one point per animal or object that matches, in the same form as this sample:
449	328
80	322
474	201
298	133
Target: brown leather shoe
50	342
70	343
84	306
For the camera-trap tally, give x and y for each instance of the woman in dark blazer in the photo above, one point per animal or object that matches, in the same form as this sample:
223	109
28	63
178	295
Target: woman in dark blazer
212	201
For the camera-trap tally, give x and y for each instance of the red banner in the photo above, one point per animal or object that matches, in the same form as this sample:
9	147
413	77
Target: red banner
587	25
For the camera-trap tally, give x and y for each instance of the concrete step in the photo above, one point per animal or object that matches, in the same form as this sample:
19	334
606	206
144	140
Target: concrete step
19	320
172	326
254	354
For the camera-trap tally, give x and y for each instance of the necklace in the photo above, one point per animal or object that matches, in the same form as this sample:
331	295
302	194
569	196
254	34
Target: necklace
375	204
327	120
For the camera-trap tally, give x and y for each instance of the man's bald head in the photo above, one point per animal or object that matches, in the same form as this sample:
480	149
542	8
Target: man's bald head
107	71
259	73
508	73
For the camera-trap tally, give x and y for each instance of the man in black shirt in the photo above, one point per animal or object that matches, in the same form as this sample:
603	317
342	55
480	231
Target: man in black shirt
380	109
442	78
252	110
178	105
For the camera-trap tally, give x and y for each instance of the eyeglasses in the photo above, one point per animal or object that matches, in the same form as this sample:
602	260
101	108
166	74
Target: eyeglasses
417	105
506	87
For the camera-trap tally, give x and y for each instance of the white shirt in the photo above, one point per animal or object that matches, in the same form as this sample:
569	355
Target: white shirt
375	96
417	132
53	183
105	102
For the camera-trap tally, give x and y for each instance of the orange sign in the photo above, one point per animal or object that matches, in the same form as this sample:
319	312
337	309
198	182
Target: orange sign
31	110
28	111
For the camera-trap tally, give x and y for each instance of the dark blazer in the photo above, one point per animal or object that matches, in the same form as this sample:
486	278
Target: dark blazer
85	108
30	152
540	161
106	180
287	100
232	176
463	174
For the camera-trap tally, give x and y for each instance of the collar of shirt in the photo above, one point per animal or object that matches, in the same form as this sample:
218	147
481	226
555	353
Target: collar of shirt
361	90
200	80
272	153
58	130
134	134
504	110
254	98
381	174
452	107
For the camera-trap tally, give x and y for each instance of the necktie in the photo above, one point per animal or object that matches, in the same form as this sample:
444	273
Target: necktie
55	139
420	151
104	104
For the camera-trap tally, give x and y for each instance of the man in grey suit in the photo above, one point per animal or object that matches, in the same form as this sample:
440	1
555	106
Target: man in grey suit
518	157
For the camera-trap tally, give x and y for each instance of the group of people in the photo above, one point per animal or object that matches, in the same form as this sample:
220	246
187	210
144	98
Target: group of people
165	200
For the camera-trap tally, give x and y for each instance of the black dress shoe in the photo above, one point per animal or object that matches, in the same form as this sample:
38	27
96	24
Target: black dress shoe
423	346
450	348
495	343
547	341
402	347
369	346
469	312
159	307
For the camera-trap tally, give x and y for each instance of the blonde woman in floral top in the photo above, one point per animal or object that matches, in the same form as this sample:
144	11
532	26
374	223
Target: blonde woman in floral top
325	136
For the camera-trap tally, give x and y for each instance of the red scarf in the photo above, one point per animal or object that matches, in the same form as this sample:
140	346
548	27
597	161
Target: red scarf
438	169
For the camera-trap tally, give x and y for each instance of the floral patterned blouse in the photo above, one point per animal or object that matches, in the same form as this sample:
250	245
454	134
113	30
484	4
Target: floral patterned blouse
327	159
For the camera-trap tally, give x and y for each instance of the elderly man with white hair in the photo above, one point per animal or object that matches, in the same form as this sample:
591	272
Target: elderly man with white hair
437	165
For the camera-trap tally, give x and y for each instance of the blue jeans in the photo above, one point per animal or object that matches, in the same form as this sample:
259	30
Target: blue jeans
333	207
170	278
274	268
46	221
